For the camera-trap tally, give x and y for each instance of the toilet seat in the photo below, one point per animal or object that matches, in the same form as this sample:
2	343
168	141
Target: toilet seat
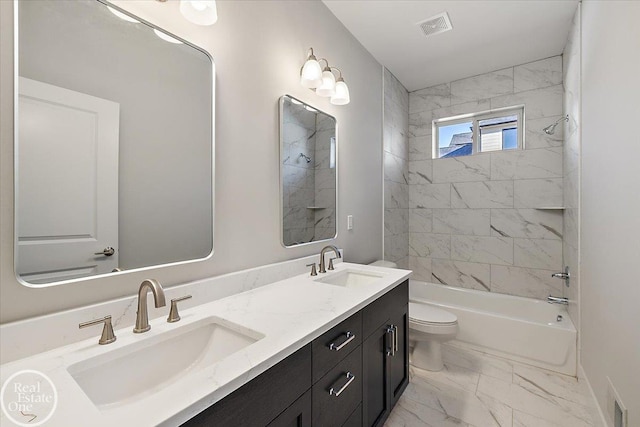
428	315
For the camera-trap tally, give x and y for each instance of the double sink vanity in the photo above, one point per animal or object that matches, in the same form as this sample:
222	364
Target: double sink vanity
325	350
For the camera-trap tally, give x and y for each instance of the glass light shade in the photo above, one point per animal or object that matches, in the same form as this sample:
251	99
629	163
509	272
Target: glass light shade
200	12
311	74
122	16
328	86
341	97
166	37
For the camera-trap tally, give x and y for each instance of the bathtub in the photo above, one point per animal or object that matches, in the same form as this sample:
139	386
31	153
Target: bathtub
521	329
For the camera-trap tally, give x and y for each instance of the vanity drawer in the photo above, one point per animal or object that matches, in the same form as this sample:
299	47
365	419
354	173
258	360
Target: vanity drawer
334	345
379	311
336	395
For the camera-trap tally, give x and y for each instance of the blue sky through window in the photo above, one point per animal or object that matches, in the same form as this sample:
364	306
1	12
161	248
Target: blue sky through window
445	133
510	139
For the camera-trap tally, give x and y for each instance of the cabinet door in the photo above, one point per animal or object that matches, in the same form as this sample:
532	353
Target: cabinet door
399	360
296	415
375	395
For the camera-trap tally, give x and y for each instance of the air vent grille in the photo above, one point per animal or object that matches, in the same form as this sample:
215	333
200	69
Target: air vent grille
436	24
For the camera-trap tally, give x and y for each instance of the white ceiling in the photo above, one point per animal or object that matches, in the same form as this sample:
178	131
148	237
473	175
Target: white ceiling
487	35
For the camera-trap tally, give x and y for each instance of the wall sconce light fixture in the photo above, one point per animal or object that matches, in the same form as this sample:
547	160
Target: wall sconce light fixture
323	80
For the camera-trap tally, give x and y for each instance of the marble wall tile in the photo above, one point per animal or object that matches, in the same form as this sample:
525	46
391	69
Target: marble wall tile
421	267
403	263
474	222
524	282
535	137
430	196
528	223
489	250
466	108
395	91
468	275
395	246
395	169
526	164
420	123
545	102
421	147
420	220
430	245
538	74
396	221
420	172
325	198
571	227
485	194
484	86
396	195
538	253
325	178
430	98
462	169
537	193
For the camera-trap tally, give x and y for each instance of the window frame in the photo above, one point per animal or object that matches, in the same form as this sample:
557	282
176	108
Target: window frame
475	118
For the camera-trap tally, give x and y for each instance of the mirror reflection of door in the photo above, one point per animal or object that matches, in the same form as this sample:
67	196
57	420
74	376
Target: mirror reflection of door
67	201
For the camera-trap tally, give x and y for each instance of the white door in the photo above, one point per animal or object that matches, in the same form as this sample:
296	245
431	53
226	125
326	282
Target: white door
67	198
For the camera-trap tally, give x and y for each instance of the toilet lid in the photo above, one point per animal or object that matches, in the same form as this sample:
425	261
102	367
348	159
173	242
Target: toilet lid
425	313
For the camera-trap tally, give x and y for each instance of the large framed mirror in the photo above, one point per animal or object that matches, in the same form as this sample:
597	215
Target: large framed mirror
113	143
308	173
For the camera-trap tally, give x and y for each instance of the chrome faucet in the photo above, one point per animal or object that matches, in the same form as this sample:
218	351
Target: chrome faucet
557	300
325	250
142	317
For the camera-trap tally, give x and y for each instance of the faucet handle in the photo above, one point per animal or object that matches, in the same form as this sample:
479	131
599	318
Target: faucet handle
107	336
331	264
174	316
313	269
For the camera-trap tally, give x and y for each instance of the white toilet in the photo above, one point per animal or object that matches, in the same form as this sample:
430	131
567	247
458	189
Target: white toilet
429	327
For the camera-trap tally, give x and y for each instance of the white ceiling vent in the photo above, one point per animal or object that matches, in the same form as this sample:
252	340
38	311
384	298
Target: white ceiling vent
436	24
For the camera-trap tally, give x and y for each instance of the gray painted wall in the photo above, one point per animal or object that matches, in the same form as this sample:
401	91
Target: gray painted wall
258	48
610	201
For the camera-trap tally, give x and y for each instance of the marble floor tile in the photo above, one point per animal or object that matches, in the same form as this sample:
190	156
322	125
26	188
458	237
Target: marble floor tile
464	405
478	362
480	390
540	402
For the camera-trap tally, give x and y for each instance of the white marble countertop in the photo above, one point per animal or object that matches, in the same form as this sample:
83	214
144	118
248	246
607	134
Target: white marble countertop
289	313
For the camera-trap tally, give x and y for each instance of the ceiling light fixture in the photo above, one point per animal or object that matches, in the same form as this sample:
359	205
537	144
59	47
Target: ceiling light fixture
323	80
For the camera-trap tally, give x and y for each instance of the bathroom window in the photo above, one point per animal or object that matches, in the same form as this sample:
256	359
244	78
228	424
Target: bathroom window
487	131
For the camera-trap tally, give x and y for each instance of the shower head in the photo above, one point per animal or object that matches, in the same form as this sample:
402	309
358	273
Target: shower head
550	130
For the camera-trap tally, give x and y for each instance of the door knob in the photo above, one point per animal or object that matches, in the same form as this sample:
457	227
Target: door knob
108	251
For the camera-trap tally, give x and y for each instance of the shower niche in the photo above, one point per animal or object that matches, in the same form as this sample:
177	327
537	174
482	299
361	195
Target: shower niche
308	173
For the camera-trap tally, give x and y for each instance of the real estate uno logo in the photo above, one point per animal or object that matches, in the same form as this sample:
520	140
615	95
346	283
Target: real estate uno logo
28	398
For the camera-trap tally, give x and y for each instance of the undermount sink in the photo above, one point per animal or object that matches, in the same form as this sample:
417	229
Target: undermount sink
351	278
142	368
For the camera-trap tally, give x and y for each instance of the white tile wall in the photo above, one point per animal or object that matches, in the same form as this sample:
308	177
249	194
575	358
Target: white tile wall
473	221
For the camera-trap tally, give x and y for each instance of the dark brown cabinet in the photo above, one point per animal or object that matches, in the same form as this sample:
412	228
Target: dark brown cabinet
385	359
350	376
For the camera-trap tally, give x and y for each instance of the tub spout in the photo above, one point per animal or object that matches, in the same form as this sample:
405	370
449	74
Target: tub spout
557	300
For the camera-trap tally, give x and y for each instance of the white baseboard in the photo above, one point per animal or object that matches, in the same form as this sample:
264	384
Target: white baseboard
597	415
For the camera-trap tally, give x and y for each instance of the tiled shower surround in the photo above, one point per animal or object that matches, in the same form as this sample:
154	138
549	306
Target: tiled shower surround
396	171
482	221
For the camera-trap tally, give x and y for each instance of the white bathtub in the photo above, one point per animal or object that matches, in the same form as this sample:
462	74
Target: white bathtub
517	328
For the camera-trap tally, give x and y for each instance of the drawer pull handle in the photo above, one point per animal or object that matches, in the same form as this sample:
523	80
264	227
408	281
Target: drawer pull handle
336	393
395	339
337	347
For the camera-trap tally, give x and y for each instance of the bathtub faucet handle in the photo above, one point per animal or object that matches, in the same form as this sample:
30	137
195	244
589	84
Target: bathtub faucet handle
565	275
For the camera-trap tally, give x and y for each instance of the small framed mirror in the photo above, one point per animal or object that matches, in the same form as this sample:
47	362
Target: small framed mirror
308	173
